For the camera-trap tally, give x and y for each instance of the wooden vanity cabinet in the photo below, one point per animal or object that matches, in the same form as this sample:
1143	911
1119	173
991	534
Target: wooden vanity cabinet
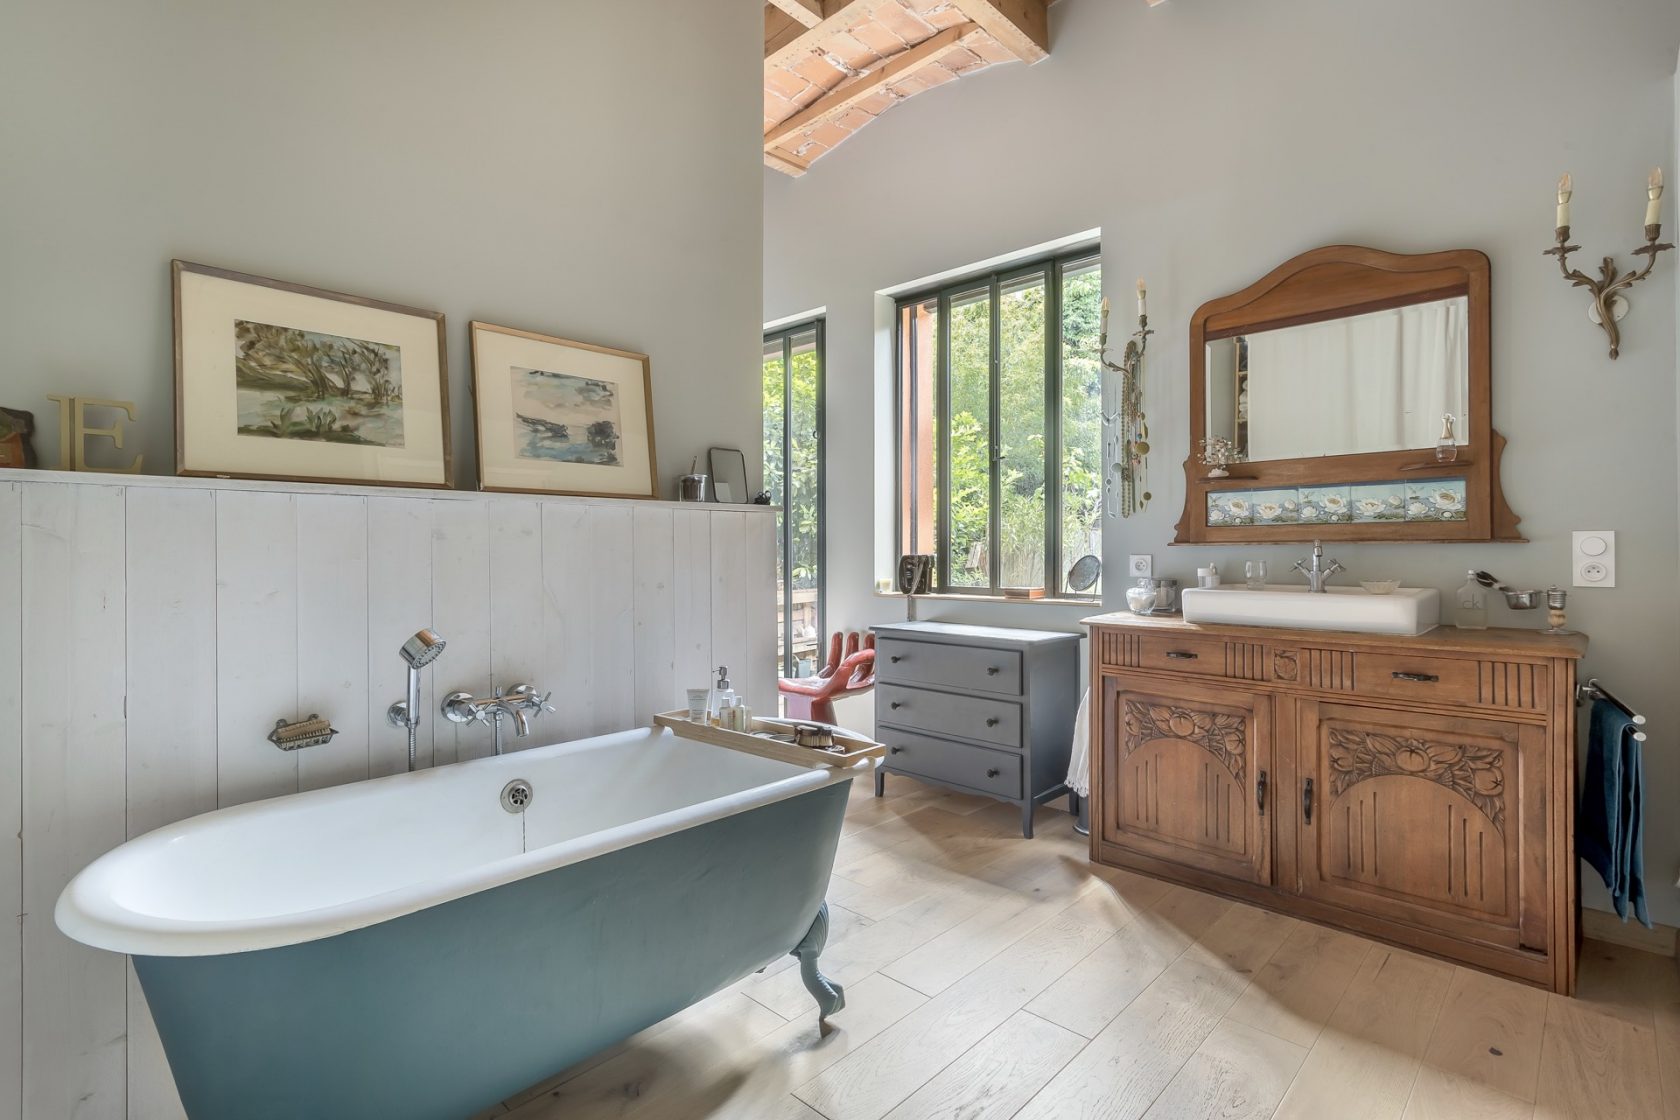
1417	790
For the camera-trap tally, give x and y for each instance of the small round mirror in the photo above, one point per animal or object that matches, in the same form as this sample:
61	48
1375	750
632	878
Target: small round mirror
1084	574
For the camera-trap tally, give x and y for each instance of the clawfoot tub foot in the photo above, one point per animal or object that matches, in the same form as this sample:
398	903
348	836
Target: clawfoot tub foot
830	996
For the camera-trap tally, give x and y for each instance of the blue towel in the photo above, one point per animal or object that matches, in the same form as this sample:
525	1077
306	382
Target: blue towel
1609	829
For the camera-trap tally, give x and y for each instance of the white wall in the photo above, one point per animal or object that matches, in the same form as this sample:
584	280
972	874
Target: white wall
155	632
579	168
1212	139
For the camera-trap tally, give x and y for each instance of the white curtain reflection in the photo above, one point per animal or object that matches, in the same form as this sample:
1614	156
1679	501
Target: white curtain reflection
1375	382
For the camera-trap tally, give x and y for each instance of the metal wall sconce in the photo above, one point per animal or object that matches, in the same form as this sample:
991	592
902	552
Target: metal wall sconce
1608	305
1128	428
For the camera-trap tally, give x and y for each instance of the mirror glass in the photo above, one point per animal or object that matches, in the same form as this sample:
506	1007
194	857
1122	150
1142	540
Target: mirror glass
1380	381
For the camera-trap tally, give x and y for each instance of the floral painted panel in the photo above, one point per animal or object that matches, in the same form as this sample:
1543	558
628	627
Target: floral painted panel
1325	505
1436	499
1378	501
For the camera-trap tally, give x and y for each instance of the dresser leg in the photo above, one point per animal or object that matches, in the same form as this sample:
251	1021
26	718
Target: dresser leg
1073	803
880	782
1026	820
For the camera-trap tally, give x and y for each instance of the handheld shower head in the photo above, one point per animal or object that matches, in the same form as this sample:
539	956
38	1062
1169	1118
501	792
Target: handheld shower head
422	649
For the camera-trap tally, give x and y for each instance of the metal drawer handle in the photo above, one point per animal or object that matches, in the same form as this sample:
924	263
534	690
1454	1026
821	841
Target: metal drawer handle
992	721
897	750
993	772
896	705
1260	793
1424	678
1181	655
991	670
1306	800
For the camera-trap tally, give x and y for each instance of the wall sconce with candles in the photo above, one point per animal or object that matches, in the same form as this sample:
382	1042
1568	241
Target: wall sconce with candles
1128	428
1608	304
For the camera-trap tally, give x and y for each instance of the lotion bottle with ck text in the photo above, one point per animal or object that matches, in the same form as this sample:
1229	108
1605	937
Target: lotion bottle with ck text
1472	605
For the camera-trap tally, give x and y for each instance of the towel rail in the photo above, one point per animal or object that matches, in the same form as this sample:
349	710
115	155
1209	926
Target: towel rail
1593	690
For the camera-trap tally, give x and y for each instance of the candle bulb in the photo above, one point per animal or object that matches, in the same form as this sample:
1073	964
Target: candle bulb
1141	295
1566	187
1653	208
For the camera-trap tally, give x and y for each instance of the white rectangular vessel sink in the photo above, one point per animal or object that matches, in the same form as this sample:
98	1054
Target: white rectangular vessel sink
1407	611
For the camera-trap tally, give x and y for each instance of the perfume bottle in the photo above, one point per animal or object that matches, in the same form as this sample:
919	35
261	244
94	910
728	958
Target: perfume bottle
1472	605
1446	448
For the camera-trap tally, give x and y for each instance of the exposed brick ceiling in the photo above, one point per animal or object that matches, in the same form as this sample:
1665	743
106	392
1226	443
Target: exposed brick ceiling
832	66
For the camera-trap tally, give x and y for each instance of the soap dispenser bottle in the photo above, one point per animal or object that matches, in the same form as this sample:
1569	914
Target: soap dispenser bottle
1472	605
724	699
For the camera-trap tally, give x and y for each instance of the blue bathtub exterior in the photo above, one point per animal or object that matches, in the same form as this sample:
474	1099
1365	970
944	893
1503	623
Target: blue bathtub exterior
444	1012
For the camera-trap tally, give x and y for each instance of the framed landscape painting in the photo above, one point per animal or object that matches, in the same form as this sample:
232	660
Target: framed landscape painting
561	417
282	381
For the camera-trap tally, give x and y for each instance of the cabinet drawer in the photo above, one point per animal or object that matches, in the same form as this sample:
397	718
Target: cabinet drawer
966	717
1165	653
1412	677
964	668
976	768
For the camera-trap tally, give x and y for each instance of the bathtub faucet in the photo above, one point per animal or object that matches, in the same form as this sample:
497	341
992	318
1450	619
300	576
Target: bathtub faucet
518	703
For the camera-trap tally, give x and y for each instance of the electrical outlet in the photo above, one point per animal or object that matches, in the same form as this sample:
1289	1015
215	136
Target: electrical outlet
1140	566
1594	558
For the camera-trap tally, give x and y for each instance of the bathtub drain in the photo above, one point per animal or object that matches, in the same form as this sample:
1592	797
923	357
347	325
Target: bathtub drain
516	795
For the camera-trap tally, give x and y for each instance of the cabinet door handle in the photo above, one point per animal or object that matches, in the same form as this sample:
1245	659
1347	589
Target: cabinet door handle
1260	793
896	750
993	772
991	670
1306	800
1181	655
1423	678
895	658
991	721
896	705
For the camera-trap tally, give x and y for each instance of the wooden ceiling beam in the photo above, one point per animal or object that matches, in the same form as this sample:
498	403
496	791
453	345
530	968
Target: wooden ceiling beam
808	13
785	162
1022	26
849	93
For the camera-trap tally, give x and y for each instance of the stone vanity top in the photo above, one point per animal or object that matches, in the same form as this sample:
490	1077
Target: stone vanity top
1494	640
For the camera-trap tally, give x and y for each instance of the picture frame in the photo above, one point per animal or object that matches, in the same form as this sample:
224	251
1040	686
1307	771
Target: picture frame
276	380
557	416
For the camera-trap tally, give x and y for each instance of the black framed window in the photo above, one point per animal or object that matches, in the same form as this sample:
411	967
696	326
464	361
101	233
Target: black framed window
793	473
999	426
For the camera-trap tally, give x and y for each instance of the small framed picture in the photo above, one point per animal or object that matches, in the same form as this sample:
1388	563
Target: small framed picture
282	381
561	417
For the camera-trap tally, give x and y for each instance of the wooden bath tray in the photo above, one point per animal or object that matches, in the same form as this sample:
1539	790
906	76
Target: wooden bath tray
857	748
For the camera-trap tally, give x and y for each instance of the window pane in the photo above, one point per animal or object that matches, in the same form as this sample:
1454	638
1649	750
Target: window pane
801	507
918	429
1081	417
774	418
969	397
1021	492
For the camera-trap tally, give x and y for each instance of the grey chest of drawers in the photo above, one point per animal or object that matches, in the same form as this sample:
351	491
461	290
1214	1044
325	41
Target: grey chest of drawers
982	709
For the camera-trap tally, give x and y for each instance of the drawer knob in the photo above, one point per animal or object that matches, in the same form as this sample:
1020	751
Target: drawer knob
1181	655
1422	678
896	705
992	721
896	750
993	772
991	670
895	658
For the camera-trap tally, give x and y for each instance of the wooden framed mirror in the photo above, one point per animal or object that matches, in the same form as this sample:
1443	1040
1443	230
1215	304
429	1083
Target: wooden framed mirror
1353	386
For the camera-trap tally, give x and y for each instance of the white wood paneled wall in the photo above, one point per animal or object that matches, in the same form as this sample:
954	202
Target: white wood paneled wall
152	631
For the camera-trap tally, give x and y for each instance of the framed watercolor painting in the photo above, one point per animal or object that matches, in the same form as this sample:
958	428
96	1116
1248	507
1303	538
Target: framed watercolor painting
561	417
282	381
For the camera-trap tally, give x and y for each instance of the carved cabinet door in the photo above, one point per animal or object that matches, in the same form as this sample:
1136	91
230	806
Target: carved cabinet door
1186	772
1438	821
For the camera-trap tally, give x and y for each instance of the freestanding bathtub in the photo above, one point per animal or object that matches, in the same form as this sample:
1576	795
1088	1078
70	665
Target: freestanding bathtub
409	947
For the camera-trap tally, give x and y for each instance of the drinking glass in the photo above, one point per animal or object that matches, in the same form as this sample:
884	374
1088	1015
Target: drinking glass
1256	570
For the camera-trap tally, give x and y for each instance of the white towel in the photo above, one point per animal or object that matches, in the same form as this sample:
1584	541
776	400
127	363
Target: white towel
1079	765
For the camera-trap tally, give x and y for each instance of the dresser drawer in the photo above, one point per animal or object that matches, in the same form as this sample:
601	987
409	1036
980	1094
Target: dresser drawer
964	668
1414	677
1186	654
957	764
967	717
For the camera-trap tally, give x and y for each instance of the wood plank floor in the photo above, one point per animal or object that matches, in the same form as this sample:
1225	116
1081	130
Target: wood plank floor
989	977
